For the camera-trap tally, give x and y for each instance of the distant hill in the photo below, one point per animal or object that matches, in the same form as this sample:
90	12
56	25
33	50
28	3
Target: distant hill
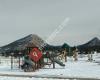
31	40
49	47
93	44
59	47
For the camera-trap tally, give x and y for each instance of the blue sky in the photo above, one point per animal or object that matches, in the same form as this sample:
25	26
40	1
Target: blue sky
19	18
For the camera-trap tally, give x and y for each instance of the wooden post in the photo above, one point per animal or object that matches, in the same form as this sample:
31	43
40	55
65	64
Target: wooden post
53	63
42	63
19	62
69	51
11	60
19	59
91	56
0	58
65	53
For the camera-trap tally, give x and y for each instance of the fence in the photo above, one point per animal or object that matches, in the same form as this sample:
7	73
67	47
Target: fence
11	62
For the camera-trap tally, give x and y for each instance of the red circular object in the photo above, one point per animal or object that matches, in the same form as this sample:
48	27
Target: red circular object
35	54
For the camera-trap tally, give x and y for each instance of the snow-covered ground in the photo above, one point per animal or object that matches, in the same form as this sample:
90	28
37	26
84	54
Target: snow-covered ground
80	69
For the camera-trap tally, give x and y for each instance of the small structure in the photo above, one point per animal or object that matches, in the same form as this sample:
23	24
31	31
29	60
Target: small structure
90	56
33	59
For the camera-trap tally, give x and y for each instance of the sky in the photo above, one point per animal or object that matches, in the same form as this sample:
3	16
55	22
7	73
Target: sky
19	18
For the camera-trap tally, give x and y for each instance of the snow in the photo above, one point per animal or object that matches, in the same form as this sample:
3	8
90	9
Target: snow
79	69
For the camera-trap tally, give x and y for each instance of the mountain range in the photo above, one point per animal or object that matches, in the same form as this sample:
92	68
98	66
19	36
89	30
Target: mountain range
92	44
33	40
